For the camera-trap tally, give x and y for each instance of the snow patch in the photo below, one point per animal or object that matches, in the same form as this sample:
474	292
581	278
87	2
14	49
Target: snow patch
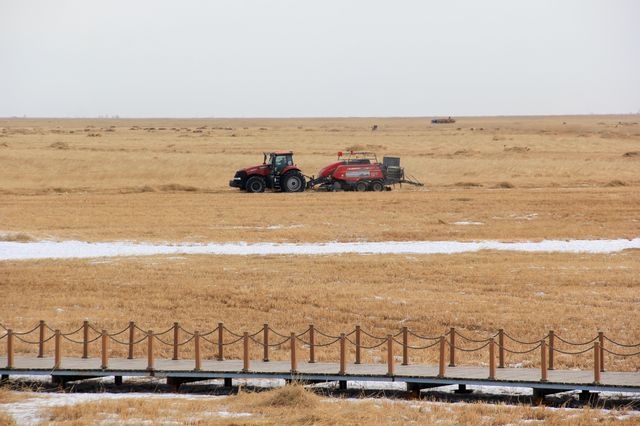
467	222
79	249
27	412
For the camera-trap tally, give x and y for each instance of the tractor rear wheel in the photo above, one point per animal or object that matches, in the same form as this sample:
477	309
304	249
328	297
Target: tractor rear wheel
377	186
361	186
293	182
255	184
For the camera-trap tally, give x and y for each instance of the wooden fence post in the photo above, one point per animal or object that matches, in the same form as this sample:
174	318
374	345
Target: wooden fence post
265	342
358	344
294	361
601	341
85	339
245	355
176	339
220	342
105	348
492	359
150	350
543	360
405	346
57	349
441	364
452	347
312	344
196	343
343	354
552	339
132	333
390	362
9	348
501	348
596	362
41	339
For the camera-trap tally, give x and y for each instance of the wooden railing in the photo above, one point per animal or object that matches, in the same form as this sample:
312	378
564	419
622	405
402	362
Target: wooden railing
449	341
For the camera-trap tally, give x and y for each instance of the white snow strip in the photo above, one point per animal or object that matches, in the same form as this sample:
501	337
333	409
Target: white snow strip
79	249
28	411
468	222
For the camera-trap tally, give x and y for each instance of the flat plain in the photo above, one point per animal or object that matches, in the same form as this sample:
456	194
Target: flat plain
497	178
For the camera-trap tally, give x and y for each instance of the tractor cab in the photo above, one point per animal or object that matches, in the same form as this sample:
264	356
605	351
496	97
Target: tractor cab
278	161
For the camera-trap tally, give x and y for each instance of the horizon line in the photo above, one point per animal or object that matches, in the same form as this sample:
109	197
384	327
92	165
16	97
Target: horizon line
117	117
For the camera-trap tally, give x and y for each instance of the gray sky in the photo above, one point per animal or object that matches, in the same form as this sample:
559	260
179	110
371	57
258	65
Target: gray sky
248	58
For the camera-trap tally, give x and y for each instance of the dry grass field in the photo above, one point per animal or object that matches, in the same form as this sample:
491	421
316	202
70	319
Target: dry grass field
295	406
157	180
575	295
519	178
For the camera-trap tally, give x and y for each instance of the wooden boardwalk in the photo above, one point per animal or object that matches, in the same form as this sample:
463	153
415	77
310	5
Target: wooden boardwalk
417	376
348	347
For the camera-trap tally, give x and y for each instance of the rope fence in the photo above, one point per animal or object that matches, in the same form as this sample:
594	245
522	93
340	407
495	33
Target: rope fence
356	340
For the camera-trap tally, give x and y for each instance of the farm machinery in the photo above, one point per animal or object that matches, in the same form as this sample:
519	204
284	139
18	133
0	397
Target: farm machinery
353	171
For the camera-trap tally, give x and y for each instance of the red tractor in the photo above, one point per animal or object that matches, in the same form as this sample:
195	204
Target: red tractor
277	172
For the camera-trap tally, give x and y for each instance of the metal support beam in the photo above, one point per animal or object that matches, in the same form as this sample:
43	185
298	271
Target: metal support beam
462	389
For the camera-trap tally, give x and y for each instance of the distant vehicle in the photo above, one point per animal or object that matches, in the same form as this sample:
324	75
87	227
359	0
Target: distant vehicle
443	120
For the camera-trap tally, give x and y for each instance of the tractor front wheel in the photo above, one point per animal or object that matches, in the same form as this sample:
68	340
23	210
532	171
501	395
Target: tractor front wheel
293	182
255	184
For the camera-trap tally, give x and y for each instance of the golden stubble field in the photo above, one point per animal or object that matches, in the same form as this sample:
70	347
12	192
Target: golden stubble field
527	295
517	178
158	180
514	178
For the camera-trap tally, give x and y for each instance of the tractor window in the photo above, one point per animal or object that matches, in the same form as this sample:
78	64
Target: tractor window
282	161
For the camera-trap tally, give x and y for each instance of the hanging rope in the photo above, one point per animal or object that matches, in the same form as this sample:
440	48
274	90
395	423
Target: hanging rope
425	337
25	332
320	345
473	350
279	343
511	351
568	342
619	354
524	342
572	353
622	344
119	332
24	340
304	332
469	339
430	345
372	336
233	341
374	346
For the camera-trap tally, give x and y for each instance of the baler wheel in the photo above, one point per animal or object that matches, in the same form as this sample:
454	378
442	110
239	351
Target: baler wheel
361	186
255	184
377	186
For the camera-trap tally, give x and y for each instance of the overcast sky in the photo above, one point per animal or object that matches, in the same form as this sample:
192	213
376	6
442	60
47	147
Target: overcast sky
258	58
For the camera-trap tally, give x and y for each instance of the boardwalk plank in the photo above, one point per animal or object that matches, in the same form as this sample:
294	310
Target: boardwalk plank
23	365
